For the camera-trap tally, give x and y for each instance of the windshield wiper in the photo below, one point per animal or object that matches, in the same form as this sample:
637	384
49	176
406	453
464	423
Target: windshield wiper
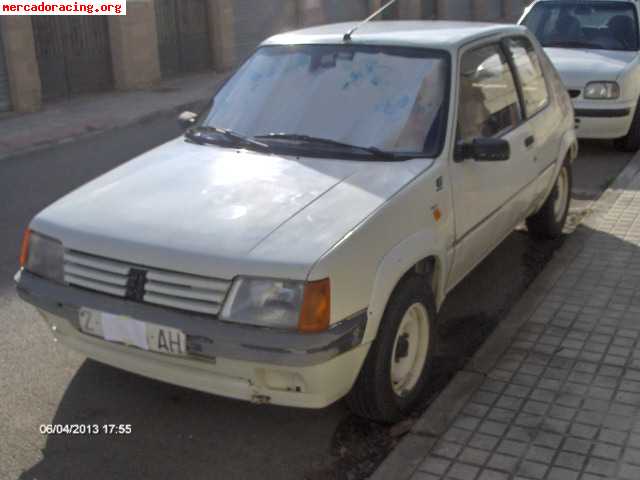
328	142
201	135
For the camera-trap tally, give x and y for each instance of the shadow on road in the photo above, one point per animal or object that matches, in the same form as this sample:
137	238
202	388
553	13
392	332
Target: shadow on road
179	433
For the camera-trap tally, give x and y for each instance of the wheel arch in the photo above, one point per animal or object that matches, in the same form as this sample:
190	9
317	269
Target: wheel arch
407	258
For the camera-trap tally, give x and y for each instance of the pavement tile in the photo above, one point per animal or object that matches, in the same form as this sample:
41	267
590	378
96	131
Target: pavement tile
467	422
461	471
447	449
532	470
476	409
612	436
572	461
630	472
457	435
520	434
424	476
601	467
474	456
512	447
493	475
501	415
631	455
548	439
503	462
493	428
435	465
576	445
558	473
540	454
610	452
483	441
583	431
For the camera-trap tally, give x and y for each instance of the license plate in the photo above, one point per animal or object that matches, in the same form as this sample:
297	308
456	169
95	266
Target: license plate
133	333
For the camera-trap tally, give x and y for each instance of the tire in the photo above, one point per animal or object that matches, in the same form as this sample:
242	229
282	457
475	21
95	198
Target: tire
631	141
549	221
375	395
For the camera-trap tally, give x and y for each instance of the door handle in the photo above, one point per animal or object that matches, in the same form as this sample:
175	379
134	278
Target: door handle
530	140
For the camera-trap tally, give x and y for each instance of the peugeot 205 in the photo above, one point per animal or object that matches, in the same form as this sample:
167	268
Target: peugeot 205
294	246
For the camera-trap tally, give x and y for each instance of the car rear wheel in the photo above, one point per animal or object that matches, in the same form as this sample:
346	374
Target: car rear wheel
631	141
397	367
551	218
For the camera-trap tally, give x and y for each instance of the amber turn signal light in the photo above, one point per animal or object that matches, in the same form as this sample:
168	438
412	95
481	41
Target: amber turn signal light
316	307
24	248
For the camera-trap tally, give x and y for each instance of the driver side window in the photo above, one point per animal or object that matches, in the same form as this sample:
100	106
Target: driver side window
488	100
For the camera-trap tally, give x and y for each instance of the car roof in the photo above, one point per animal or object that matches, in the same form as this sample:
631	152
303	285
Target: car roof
444	35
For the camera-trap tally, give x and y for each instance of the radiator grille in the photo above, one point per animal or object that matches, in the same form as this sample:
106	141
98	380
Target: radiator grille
182	291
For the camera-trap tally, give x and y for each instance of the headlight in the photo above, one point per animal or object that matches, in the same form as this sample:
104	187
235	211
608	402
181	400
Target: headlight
42	256
283	304
602	90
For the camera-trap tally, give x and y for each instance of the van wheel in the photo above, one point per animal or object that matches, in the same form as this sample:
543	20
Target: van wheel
551	218
397	367
631	141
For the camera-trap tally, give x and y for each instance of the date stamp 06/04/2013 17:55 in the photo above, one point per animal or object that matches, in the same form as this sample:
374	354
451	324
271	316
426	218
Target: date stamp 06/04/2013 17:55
86	429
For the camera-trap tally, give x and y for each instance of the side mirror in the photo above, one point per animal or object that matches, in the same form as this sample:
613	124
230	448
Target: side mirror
483	150
187	119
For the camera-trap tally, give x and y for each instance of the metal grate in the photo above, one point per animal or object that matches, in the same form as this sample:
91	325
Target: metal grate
182	291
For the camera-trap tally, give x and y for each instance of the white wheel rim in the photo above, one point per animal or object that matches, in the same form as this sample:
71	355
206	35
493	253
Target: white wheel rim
562	197
410	349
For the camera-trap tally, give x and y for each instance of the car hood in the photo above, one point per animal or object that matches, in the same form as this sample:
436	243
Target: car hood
221	212
579	67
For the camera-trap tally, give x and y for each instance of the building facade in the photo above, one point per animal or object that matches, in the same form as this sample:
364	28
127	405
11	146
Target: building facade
45	58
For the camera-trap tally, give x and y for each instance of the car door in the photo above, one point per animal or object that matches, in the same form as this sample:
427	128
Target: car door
543	116
489	198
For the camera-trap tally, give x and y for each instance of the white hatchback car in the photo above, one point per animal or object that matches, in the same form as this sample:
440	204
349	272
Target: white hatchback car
295	245
595	46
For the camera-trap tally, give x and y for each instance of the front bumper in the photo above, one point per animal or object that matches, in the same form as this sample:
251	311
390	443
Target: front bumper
246	363
603	119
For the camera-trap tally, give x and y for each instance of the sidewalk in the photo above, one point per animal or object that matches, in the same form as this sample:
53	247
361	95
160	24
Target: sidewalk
66	120
554	393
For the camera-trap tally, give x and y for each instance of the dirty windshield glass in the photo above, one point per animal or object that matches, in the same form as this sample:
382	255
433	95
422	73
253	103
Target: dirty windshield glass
593	25
391	99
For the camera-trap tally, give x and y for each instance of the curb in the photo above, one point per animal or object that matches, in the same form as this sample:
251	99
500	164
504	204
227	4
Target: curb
405	459
88	134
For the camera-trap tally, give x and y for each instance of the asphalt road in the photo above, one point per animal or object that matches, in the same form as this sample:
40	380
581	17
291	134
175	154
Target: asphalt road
179	433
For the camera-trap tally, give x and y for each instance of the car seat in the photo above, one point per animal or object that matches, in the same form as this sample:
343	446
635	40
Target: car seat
623	30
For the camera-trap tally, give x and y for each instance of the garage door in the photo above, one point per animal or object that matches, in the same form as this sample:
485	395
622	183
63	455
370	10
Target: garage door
5	103
255	20
183	36
73	54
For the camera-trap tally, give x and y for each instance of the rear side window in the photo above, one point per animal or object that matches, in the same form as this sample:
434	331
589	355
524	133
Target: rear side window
488	103
529	71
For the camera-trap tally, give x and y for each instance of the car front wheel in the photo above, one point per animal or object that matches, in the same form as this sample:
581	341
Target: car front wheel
397	367
631	141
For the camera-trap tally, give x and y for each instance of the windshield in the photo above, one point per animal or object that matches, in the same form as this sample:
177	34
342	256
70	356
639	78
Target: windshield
381	98
593	25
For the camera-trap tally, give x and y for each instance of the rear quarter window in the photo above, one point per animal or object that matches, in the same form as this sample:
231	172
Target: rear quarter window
488	103
530	74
